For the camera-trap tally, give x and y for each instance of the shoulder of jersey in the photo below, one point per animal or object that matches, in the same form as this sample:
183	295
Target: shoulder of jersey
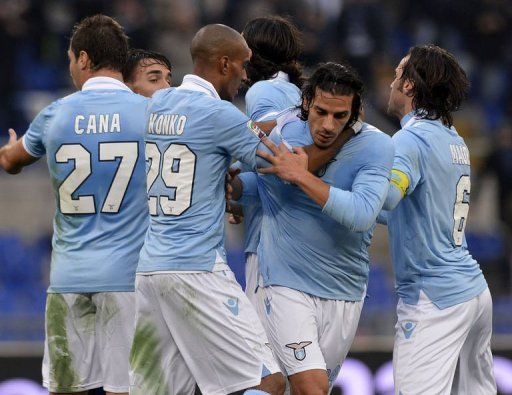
368	129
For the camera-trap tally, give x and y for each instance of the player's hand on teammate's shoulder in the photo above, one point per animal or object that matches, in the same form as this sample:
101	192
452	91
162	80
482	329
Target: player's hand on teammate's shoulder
289	166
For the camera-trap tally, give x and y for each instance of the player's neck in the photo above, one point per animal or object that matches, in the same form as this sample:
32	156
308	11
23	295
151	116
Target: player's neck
106	73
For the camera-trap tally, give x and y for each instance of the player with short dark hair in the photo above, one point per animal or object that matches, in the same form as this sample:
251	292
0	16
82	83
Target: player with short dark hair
93	140
445	308
147	71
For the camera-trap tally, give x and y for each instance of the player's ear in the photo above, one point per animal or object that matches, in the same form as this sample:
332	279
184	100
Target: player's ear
224	65
83	60
408	87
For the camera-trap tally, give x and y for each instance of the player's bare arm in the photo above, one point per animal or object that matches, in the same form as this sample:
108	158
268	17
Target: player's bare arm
13	156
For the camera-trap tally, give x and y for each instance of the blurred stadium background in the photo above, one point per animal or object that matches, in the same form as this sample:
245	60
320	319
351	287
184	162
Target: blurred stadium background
371	34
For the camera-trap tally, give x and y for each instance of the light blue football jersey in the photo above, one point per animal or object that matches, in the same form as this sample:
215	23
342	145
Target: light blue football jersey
303	248
264	101
426	229
190	140
93	141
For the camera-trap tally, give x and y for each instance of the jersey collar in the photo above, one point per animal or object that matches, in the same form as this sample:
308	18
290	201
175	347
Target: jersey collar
407	120
104	83
195	83
280	75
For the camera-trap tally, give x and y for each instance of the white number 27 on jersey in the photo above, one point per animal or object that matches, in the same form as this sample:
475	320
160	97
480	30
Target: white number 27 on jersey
461	209
85	204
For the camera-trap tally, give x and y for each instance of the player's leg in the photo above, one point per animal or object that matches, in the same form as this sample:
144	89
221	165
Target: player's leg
218	333
114	335
156	366
426	339
70	363
475	370
292	327
338	322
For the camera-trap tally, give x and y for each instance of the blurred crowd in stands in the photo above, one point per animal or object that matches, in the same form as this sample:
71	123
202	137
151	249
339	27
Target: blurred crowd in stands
371	34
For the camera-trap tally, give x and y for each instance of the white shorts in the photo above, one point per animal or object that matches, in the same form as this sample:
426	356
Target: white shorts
88	340
251	277
444	351
307	332
196	327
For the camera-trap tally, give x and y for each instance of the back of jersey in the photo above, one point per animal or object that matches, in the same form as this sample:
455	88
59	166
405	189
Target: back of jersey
191	136
93	140
427	227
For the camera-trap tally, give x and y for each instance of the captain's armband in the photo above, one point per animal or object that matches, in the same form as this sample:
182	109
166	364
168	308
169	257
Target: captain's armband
400	180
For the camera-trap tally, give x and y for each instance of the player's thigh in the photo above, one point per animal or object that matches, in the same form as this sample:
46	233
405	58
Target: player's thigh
475	370
115	324
71	362
338	325
427	338
217	330
156	365
292	328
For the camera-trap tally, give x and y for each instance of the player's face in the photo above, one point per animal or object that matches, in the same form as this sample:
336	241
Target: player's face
396	96
237	72
328	116
150	76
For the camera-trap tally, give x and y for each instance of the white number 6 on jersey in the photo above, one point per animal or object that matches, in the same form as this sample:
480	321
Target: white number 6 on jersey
461	209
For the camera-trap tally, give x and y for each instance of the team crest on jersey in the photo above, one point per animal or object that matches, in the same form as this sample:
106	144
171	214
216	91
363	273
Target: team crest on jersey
323	169
255	129
408	327
299	349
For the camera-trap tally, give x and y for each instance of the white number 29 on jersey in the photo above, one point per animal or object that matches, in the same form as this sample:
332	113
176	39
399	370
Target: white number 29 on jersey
127	151
177	169
461	209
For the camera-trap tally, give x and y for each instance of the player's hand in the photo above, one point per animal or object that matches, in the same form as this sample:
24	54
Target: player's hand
289	166
13	139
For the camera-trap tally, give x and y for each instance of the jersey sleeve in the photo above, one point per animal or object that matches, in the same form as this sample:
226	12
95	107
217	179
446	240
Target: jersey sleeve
237	135
358	209
33	139
407	161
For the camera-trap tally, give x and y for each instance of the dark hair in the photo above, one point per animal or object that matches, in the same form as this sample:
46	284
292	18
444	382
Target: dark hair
439	83
146	58
276	45
335	78
104	41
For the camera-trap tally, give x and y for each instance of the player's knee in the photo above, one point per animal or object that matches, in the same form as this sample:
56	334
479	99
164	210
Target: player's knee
274	384
310	382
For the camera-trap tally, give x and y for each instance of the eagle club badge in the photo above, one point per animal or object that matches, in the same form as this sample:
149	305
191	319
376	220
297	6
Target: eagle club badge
299	349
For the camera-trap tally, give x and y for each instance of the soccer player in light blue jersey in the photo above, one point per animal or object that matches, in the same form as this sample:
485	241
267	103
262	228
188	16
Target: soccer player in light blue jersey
443	332
275	76
93	141
316	230
193	321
